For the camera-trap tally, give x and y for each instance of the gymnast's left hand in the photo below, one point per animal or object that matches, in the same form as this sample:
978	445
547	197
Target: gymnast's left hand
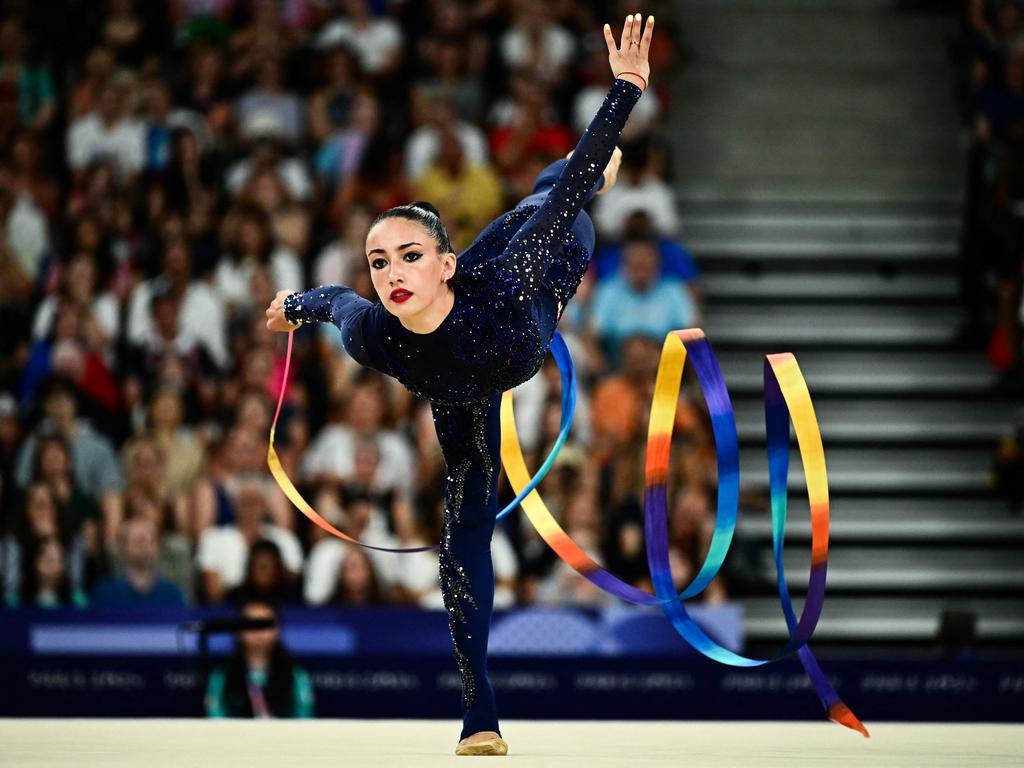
275	314
629	61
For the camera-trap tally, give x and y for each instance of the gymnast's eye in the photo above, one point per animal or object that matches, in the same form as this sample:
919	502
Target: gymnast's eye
379	263
412	255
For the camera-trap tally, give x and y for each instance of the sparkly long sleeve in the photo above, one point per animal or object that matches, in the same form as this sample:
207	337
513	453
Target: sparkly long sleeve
553	221
547	178
342	307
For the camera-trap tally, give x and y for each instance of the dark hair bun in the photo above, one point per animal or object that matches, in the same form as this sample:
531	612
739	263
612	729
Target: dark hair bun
424	205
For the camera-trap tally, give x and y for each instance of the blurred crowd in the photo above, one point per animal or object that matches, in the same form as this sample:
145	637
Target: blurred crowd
991	56
166	167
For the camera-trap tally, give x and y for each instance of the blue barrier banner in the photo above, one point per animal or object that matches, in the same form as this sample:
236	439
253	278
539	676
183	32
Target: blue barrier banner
398	663
572	687
346	632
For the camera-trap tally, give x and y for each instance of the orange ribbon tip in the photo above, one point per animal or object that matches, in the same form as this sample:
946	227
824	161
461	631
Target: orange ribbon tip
840	713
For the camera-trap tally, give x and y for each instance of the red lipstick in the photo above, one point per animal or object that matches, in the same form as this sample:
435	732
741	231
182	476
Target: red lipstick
400	294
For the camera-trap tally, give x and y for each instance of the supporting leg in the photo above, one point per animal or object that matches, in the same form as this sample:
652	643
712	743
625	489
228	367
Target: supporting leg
467	583
471	439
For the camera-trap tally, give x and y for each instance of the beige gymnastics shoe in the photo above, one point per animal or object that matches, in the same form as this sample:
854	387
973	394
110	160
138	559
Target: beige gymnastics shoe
482	743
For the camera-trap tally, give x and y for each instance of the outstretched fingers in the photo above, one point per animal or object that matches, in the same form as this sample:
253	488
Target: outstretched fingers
645	43
609	40
627	31
631	56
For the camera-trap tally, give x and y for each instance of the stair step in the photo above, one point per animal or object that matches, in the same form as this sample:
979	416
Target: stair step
820	286
902	569
821	250
868	619
939	212
825	325
882	470
835	228
886	520
873	374
878	421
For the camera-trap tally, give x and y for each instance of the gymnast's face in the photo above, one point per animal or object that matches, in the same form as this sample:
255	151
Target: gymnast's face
408	269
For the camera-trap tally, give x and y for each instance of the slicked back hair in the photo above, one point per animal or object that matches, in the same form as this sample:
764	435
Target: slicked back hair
423	213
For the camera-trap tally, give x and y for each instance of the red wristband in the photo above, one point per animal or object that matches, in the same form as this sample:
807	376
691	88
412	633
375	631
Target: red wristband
634	73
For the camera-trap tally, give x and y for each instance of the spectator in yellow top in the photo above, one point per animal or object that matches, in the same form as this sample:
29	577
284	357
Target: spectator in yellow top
468	193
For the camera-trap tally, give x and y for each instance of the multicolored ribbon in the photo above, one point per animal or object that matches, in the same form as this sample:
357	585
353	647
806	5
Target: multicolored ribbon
285	482
786	397
296	498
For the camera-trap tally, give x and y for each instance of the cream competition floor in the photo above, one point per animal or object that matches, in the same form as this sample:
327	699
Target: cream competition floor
345	743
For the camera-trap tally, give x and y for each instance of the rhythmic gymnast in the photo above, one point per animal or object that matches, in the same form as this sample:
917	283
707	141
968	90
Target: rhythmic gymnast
459	331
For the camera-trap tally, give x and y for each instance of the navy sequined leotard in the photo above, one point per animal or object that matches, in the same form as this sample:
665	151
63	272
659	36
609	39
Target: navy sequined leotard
511	286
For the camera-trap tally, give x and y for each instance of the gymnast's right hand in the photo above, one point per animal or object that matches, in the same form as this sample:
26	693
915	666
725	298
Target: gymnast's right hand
629	61
275	314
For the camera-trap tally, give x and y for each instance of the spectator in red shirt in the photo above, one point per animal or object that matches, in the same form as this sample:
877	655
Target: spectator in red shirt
527	126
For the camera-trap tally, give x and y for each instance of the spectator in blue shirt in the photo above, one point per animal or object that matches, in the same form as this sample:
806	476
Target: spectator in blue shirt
640	300
95	469
676	261
140	586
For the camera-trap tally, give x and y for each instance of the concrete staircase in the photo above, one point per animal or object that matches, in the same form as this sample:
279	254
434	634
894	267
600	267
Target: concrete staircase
817	153
864	296
814	99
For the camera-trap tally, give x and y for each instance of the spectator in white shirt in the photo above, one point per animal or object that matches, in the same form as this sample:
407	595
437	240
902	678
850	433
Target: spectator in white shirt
638	189
424	144
338	258
376	41
536	43
105	135
201	310
269	101
25	233
252	247
80	288
332	454
265	153
401	578
223	550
